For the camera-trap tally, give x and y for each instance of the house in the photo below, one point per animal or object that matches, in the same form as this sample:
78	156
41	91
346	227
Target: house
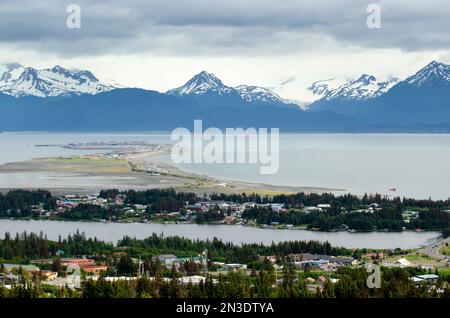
183	218
402	262
319	260
195	208
277	207
374	255
218	264
28	268
309	209
230	219
428	277
271	258
310	280
194	280
166	259
9	278
77	261
321	280
59	253
48	275
234	266
94	269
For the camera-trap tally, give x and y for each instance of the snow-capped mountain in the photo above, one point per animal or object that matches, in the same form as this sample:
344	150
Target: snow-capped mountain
323	88
422	99
256	93
208	85
365	87
19	81
201	84
433	74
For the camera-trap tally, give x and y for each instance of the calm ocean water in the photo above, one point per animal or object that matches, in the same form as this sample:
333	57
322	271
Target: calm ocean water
417	165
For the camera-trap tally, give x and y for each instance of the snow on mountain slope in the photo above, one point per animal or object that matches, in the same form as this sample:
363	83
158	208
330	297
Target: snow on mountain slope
434	73
365	87
256	93
205	82
19	81
201	84
324	88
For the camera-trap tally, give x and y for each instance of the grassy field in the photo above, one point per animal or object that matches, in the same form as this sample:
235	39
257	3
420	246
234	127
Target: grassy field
412	257
445	250
88	164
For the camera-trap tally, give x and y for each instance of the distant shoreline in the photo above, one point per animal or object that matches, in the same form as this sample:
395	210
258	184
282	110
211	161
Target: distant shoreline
132	172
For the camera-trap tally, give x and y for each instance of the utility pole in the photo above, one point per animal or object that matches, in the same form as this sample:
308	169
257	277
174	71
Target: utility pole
205	257
140	272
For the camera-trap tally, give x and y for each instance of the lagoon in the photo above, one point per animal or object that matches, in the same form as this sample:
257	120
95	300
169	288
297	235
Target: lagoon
112	232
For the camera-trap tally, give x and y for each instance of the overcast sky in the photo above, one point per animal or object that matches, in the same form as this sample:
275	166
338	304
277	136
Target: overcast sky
160	44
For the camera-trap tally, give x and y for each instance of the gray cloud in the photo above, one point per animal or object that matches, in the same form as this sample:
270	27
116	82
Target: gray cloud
221	27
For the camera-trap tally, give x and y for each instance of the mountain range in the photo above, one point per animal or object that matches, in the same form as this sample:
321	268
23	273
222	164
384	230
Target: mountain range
423	99
76	100
19	81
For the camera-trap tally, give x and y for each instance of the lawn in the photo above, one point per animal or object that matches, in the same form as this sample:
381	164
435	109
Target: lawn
445	250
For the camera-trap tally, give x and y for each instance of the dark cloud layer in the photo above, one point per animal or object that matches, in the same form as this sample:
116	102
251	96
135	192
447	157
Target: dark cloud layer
221	27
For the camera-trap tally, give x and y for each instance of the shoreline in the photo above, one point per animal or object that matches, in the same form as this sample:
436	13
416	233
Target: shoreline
258	226
155	158
137	171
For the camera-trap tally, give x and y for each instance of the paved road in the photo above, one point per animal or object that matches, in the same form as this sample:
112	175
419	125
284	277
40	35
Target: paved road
433	249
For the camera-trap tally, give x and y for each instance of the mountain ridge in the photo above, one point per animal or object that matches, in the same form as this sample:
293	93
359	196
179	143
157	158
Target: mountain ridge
19	81
419	103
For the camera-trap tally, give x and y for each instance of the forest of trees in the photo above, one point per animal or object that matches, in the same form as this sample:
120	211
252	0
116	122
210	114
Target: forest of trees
220	251
92	212
19	203
31	246
386	218
351	284
395	283
27	246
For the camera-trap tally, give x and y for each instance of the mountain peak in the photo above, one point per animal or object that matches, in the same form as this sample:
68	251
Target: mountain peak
434	63
433	74
204	76
201	84
366	78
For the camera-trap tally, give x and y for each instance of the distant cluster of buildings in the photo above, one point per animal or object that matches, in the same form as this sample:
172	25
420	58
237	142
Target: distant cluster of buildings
12	273
232	210
324	262
315	261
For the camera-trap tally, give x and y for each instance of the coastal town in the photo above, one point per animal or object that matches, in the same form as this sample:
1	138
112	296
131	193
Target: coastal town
76	261
315	270
231	212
